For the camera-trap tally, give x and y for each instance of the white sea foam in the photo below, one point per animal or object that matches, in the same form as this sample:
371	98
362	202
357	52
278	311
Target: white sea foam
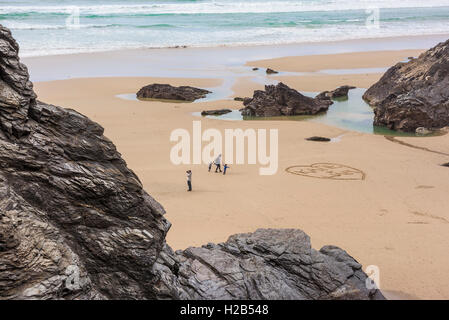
120	24
218	7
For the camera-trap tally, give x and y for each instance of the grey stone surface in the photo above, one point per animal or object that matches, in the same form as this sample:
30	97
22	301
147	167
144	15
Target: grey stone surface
281	100
414	94
340	92
168	92
215	112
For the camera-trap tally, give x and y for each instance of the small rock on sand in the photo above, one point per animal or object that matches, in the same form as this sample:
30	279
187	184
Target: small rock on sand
319	139
271	71
215	112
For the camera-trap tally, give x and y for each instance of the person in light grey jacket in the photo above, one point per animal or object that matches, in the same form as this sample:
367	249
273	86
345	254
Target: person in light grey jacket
217	163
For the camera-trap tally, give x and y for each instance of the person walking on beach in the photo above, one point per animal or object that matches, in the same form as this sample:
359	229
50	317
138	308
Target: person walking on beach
189	179
210	166
224	168
218	163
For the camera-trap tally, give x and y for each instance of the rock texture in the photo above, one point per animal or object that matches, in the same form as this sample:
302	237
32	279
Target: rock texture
168	92
217	112
271	71
266	264
75	222
414	94
340	92
280	100
318	139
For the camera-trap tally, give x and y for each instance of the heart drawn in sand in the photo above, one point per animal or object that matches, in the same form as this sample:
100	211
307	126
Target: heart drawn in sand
332	171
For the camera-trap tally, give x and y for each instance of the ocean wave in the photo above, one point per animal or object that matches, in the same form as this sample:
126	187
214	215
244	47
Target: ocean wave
219	7
255	36
33	26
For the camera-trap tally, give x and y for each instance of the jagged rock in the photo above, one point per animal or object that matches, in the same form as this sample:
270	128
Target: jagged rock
340	92
266	264
239	99
413	94
75	222
445	164
281	100
318	139
215	112
168	92
271	71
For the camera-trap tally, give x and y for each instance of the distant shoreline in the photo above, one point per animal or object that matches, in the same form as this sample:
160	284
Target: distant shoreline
414	39
193	62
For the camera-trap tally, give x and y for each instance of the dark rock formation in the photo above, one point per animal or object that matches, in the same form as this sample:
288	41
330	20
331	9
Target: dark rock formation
168	92
318	139
271	71
239	99
75	222
266	264
414	94
445	164
340	92
281	100
255	69
217	112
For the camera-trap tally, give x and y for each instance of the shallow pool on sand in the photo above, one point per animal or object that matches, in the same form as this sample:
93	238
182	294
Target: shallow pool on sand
352	114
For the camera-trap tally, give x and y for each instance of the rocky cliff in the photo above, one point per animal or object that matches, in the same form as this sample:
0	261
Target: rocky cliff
75	222
414	94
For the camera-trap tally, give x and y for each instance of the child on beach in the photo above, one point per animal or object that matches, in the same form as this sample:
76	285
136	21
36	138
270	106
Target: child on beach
189	179
224	168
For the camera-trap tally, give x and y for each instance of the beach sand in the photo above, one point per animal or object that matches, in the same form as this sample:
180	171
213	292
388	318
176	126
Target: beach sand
397	218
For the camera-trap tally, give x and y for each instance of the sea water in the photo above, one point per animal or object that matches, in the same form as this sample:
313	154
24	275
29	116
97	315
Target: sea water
351	113
60	26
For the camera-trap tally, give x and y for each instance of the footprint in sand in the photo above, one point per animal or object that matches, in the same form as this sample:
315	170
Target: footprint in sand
417	222
421	214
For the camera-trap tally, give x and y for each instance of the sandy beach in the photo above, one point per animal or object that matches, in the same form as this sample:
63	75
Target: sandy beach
396	218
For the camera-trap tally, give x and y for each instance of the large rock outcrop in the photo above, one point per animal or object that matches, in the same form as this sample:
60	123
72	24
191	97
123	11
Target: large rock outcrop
414	94
267	264
168	92
280	100
75	222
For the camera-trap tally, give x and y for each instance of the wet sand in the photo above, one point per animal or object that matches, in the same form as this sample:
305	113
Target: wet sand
396	218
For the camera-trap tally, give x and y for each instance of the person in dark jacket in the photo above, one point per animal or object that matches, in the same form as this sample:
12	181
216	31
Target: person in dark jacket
189	179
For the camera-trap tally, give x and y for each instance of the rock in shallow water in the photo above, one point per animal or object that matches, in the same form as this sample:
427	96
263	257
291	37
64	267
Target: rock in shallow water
281	100
217	112
168	92
340	92
413	94
75	222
